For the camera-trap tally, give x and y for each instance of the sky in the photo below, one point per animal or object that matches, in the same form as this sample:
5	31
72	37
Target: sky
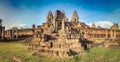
24	13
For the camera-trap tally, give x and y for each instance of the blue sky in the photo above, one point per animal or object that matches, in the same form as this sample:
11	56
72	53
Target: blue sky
24	13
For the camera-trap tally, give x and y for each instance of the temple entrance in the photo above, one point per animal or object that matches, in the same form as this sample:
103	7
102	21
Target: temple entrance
51	44
58	24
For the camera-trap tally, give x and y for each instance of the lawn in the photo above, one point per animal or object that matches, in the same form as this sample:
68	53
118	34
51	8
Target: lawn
101	55
16	48
8	49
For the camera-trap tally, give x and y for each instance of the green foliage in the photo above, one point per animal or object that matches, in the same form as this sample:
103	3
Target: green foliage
0	22
77	58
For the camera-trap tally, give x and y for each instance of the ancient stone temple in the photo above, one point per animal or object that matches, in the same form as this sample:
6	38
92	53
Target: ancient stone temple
2	30
75	17
61	38
57	37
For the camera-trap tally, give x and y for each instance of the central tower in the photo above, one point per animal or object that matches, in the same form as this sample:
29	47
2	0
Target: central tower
57	20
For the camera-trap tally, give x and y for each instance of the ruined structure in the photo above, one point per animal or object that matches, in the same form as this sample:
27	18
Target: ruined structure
59	37
15	33
18	34
2	30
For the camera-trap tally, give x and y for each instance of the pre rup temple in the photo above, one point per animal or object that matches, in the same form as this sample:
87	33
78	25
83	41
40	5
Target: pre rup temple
61	38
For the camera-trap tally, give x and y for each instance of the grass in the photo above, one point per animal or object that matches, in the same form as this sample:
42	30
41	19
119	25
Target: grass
102	55
8	49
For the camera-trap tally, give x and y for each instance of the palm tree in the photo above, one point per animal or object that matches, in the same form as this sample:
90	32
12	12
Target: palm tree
0	22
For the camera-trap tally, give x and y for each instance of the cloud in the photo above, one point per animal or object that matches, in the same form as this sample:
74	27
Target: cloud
104	24
90	24
24	15
19	26
14	17
8	14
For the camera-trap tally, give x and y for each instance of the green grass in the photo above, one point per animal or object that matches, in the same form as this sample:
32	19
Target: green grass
8	49
102	55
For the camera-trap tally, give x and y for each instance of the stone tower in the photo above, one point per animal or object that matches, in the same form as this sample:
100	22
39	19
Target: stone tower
57	20
115	26
63	25
75	17
49	17
33	27
93	26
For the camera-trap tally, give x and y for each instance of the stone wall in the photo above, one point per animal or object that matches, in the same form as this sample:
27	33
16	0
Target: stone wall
60	38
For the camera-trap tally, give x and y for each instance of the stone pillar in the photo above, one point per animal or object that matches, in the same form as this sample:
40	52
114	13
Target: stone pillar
93	34
80	33
106	34
12	33
17	32
85	34
114	34
53	24
63	25
111	34
3	32
7	33
56	26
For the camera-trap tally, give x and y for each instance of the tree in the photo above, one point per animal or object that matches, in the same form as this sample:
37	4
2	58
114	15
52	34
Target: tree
14	28
0	22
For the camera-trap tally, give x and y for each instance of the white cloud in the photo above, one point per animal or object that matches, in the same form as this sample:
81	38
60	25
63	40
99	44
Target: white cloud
104	24
8	14
90	24
19	26
13	17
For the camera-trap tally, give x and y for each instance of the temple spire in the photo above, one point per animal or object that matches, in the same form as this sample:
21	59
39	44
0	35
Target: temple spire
33	27
75	17
49	17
